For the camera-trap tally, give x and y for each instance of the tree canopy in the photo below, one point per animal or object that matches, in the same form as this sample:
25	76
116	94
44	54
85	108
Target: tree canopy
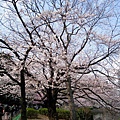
64	50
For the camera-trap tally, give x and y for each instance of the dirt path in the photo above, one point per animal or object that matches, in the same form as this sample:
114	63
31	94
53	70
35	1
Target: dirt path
40	117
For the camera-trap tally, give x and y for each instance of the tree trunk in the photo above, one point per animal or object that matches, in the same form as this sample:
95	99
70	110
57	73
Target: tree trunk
71	100
23	101
52	98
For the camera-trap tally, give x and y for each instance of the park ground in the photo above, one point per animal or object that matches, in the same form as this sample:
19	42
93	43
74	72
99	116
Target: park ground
40	117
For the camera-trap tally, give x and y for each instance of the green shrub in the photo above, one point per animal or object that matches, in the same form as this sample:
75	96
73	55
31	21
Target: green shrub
43	111
63	114
32	113
84	113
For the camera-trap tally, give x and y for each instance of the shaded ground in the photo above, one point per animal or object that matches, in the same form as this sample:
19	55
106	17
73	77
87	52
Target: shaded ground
40	117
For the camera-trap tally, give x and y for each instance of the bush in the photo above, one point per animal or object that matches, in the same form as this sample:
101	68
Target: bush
32	113
43	111
84	113
63	114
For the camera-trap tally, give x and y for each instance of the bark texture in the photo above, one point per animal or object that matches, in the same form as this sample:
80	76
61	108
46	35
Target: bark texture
23	101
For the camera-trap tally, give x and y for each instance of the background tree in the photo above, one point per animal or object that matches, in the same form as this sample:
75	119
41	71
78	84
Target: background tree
8	91
18	52
16	73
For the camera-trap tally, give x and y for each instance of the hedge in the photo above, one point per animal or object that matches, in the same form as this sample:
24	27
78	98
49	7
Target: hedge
85	113
43	111
32	113
63	114
82	113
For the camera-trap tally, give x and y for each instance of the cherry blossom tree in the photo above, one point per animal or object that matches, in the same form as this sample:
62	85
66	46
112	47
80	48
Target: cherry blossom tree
8	89
16	72
19	48
60	42
72	31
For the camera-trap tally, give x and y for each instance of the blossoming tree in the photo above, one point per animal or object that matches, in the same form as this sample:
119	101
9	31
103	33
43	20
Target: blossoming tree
58	43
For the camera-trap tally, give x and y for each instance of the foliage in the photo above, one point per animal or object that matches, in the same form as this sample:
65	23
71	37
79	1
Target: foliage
84	113
43	111
32	113
63	114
